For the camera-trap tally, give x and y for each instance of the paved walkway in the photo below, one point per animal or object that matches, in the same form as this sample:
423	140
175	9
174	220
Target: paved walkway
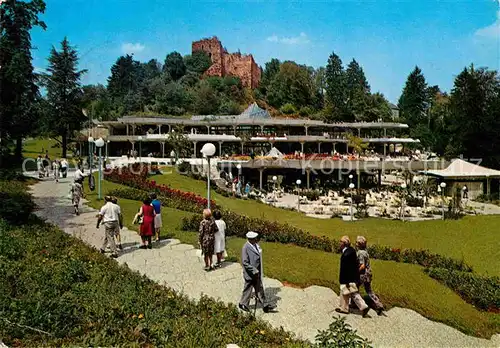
303	311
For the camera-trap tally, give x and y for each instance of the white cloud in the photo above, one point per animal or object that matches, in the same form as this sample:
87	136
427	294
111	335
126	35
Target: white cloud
301	39
491	31
130	48
273	38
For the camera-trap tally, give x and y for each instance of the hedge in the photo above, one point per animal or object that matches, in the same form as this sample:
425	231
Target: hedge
272	231
482	292
16	204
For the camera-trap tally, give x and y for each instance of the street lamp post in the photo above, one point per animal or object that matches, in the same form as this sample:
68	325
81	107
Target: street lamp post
99	143
208	150
442	186
140	147
351	186
298	182
106	151
275	178
91	141
403	186
172	157
239	171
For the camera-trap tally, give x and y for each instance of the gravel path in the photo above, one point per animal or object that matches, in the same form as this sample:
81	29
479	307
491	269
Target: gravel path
303	311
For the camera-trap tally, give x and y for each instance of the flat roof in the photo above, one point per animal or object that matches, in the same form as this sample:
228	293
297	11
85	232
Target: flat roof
235	121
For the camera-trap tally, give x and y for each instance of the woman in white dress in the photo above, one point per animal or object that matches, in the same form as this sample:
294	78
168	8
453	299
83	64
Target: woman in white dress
220	237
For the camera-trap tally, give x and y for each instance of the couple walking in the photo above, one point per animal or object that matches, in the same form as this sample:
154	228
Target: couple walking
149	219
212	238
355	270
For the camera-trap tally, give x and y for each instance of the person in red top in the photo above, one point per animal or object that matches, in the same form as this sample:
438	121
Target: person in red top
147	229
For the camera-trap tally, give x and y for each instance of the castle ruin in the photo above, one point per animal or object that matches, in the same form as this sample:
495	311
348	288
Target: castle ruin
229	64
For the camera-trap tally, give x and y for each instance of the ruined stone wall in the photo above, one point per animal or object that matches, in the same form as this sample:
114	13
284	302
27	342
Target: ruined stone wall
233	64
214	49
243	67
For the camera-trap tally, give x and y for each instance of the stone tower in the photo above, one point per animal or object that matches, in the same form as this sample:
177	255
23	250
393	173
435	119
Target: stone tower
229	64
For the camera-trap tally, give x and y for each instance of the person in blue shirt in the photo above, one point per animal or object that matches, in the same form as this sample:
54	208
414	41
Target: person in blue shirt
158	222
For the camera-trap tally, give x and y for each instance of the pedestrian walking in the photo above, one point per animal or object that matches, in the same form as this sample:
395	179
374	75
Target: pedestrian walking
146	217
55	168
39	166
64	167
111	217
207	230
365	273
220	238
118	236
155	202
251	260
76	195
46	164
349	279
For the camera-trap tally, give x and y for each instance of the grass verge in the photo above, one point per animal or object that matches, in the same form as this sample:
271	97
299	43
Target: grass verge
454	238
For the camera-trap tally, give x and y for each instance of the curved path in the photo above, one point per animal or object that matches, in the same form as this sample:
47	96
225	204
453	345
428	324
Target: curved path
303	311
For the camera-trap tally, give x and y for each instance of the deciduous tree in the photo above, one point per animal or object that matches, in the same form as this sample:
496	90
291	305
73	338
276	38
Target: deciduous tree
174	65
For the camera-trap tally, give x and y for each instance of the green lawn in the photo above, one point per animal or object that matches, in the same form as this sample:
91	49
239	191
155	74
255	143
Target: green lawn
398	284
473	238
33	147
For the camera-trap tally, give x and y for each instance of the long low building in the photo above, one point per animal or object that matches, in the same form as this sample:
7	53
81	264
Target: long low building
252	131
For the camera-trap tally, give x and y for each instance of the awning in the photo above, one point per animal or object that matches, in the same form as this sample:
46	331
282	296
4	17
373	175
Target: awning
460	169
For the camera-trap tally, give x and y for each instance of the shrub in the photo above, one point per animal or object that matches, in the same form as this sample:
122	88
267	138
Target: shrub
482	292
184	168
272	231
414	201
340	334
288	109
305	111
16	203
312	195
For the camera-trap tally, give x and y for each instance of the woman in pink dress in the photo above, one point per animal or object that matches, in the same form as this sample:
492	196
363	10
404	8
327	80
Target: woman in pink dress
147	229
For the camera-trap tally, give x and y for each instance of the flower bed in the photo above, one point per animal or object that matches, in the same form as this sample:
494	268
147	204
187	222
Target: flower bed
136	177
482	292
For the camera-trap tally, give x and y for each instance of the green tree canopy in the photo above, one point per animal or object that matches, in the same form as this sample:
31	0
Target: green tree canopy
267	75
174	65
475	122
64	93
198	62
18	89
292	84
126	77
335	87
414	100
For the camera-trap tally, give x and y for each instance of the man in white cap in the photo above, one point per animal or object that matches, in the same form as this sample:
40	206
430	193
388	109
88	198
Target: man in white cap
251	259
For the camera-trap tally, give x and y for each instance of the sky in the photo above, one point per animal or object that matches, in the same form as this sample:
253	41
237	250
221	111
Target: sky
388	38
